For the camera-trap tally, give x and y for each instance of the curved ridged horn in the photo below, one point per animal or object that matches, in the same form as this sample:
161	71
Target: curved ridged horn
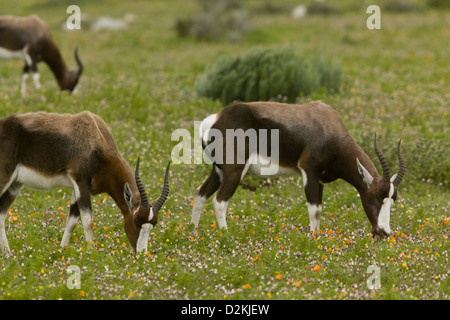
77	59
165	192
402	165
144	197
384	163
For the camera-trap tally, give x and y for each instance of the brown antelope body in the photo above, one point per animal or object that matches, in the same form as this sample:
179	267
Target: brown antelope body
310	140
29	39
45	151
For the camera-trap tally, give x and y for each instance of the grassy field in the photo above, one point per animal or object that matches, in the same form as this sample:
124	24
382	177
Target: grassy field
141	82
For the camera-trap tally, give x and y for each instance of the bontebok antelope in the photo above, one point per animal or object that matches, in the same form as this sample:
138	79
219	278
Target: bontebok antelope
30	39
310	140
45	151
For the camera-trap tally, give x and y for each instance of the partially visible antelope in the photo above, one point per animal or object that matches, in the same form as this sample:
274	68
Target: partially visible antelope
29	39
45	151
311	140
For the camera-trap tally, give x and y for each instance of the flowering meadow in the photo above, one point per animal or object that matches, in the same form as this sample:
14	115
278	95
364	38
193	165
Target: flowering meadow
140	80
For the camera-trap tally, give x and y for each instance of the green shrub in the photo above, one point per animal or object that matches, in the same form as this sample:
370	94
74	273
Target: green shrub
262	74
439	4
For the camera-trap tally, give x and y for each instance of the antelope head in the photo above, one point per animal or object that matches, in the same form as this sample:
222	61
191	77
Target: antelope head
381	192
71	79
144	216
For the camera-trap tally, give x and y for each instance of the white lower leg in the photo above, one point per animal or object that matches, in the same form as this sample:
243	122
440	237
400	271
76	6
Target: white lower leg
315	211
86	219
221	212
36	78
71	223
4	246
23	88
197	208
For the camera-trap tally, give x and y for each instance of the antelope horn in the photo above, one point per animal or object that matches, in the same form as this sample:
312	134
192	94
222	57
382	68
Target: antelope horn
402	165
384	163
77	59
165	192
144	197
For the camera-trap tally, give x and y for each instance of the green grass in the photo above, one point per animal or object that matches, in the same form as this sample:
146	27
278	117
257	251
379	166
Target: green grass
141	81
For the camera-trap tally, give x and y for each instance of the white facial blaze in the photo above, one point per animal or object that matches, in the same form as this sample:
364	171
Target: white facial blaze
142	241
385	211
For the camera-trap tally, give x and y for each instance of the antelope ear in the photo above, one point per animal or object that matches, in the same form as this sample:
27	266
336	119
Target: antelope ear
367	177
128	195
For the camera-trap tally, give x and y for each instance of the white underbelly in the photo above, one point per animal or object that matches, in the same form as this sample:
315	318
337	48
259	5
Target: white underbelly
263	166
35	180
17	54
8	54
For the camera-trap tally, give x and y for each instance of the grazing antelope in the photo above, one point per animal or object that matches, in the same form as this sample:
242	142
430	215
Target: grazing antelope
30	39
45	151
311	140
